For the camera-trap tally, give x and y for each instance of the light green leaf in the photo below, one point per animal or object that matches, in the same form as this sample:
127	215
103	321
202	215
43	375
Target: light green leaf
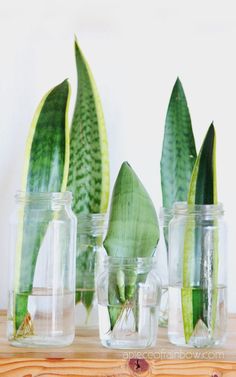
133	229
133	232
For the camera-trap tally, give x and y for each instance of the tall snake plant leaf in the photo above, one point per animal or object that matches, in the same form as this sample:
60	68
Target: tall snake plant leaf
133	231
89	167
203	190
46	170
178	150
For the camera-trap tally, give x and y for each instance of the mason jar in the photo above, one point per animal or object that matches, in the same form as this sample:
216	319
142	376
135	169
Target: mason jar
197	275
42	270
129	292
90	231
165	215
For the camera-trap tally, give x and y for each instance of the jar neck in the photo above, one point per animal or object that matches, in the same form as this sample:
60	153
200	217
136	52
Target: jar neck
43	199
165	215
212	210
140	265
91	223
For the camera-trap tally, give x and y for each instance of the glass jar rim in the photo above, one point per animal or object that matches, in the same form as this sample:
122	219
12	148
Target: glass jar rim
183	208
165	214
165	210
94	223
129	262
25	196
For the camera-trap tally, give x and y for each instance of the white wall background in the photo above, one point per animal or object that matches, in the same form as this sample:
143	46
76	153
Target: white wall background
136	49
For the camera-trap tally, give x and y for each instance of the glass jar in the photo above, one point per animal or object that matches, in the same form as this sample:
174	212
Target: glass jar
90	230
165	215
129	292
197	275
42	270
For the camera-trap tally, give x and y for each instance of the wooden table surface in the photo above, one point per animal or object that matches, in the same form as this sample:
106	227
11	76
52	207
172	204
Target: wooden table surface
86	357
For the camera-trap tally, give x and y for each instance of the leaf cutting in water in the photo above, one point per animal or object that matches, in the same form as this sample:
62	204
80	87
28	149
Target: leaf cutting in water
46	170
89	164
133	232
203	190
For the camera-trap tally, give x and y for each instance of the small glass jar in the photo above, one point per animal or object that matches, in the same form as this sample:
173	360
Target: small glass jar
165	215
129	292
90	230
42	270
197	276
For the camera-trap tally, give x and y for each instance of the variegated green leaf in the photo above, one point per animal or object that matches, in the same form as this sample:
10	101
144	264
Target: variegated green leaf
178	151
46	170
202	191
89	165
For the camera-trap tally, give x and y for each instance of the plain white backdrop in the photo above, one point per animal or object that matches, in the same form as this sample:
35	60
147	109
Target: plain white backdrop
136	49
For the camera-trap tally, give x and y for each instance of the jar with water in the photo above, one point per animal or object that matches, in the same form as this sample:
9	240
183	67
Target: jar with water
197	276
129	292
89	255
42	270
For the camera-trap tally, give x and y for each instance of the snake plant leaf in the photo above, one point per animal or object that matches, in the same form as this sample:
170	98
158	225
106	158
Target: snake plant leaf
203	187
46	170
133	229
89	165
133	232
203	190
178	150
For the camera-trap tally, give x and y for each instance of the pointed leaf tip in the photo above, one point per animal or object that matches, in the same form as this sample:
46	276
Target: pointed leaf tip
178	149
133	225
178	82
89	163
203	188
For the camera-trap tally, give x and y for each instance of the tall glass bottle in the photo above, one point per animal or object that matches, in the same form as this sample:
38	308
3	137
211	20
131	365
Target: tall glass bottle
90	230
165	215
42	270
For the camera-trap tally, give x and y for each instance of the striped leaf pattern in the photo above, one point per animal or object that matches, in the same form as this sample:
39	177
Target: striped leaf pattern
89	165
89	169
178	150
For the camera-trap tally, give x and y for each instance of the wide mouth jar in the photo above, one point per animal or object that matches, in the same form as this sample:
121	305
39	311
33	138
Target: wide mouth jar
129	292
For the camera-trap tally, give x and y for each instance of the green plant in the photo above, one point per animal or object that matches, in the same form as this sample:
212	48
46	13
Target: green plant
46	170
202	190
178	150
89	169
133	232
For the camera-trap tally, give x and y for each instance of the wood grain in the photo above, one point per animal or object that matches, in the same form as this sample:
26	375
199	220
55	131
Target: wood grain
86	357
23	367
